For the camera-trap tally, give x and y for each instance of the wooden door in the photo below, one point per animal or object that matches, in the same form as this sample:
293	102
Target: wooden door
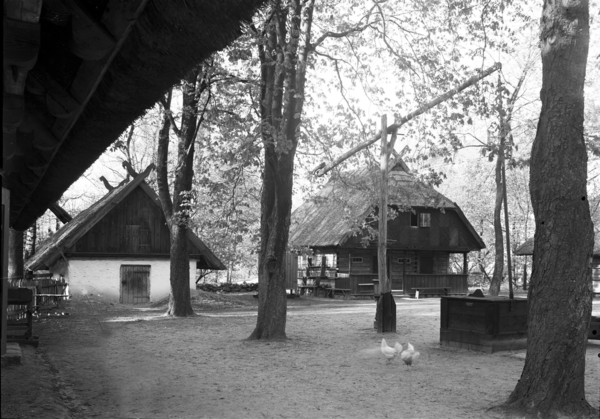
135	284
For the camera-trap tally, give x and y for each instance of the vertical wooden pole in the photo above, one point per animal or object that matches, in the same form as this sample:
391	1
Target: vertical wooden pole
15	254
465	264
385	316
404	273
384	283
4	263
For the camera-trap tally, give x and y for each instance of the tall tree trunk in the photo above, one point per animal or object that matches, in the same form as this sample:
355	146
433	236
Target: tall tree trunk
15	254
505	134
276	208
560	292
283	71
180	300
498	239
176	210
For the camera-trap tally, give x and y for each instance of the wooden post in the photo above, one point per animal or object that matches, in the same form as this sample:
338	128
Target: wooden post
383	203
4	263
385	316
404	272
15	254
465	264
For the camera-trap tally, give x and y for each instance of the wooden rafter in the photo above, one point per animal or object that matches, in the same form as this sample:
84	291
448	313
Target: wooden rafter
68	106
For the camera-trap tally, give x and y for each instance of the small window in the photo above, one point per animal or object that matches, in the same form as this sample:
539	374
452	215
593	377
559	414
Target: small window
357	260
414	219
424	219
403	261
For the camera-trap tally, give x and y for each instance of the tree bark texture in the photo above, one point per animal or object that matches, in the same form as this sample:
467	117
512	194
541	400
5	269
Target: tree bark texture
496	281
177	209
15	254
560	292
180	300
283	70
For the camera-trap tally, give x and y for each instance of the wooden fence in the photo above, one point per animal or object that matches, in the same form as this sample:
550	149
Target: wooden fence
46	292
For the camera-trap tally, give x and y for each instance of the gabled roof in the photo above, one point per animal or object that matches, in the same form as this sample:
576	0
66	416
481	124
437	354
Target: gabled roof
526	248
329	218
54	247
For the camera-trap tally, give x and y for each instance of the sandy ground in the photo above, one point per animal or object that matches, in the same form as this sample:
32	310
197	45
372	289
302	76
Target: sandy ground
112	361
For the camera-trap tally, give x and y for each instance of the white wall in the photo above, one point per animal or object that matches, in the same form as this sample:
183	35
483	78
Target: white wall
102	276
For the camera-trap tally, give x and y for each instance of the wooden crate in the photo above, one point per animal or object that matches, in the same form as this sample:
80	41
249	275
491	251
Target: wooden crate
488	324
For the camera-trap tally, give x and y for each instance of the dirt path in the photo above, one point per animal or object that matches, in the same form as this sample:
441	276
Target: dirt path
110	361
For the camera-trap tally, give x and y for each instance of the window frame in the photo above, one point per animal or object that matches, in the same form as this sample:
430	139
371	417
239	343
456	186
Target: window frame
414	219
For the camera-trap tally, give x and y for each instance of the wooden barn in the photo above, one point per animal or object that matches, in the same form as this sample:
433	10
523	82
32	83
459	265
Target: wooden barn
119	248
338	227
526	249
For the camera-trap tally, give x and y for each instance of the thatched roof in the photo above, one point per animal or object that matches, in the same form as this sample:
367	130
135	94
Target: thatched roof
330	218
54	247
76	107
526	248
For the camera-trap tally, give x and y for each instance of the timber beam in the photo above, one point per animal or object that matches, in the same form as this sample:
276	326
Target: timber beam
21	43
96	39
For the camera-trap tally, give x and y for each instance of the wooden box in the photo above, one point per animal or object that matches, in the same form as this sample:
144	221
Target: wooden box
487	324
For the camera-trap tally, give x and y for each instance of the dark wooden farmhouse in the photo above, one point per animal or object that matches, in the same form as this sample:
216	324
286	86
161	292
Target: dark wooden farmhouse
336	225
527	249
119	247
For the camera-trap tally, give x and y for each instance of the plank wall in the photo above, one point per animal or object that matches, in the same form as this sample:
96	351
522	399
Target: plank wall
136	225
446	232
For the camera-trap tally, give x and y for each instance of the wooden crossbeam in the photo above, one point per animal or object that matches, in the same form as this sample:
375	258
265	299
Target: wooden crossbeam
119	19
60	213
60	102
323	168
91	40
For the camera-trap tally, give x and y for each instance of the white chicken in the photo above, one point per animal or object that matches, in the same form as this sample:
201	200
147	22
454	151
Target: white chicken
389	352
409	356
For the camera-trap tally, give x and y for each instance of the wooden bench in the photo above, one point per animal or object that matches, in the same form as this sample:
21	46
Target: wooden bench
424	291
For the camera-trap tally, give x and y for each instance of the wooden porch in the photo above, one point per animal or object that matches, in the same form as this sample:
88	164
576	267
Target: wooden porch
456	284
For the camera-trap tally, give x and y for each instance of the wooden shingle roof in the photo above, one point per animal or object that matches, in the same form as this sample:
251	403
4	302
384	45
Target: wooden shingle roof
55	246
329	218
